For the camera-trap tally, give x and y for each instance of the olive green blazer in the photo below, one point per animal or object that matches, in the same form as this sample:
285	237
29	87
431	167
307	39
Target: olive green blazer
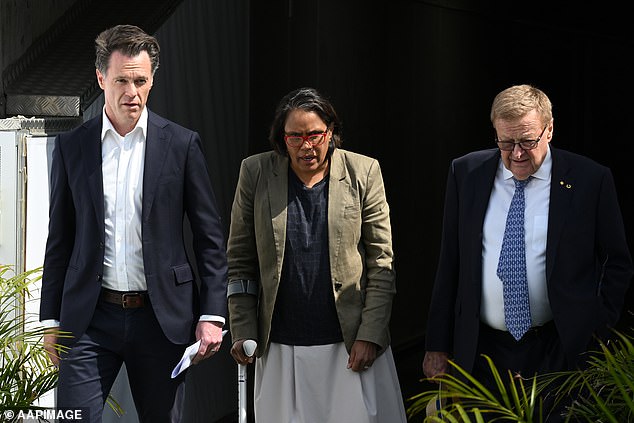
359	238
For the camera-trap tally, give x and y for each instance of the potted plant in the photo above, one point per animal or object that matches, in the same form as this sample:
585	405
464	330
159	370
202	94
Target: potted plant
603	391
462	398
26	373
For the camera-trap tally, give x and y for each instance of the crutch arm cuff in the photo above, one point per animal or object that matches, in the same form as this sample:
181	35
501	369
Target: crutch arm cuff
243	286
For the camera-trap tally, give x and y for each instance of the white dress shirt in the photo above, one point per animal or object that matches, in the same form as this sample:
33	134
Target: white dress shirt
537	199
122	160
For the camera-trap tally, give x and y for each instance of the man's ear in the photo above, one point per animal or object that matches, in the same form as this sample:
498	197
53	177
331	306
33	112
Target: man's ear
548	135
100	78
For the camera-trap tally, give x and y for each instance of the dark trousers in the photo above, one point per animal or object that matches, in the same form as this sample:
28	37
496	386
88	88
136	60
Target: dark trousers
538	352
115	336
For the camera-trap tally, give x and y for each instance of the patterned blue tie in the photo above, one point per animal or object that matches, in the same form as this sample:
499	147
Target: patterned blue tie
512	267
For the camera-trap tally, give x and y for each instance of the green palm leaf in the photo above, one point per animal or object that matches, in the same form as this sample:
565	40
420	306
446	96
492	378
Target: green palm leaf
26	373
603	391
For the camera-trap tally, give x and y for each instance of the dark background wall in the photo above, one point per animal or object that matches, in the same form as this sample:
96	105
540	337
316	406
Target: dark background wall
413	82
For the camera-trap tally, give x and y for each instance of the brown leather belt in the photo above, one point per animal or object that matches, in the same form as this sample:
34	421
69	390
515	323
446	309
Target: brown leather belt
124	299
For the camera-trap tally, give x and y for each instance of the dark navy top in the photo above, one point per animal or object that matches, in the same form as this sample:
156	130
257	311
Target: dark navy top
305	312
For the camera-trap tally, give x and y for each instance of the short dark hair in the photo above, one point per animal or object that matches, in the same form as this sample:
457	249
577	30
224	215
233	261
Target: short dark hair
309	100
127	39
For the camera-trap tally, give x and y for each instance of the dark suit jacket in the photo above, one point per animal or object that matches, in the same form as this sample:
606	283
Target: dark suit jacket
176	183
588	264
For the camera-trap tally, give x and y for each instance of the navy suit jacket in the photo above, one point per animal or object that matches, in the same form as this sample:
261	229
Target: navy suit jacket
176	183
588	264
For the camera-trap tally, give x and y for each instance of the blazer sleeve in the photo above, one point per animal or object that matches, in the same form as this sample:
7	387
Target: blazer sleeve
61	233
207	230
242	256
616	261
379	256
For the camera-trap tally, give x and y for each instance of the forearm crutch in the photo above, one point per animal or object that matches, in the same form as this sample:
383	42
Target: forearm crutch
249	347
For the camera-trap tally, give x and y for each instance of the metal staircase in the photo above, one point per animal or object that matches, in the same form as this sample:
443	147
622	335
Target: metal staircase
56	76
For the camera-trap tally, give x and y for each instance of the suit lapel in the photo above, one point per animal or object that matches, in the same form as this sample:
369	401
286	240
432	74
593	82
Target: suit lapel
91	158
157	145
481	184
338	199
561	183
277	188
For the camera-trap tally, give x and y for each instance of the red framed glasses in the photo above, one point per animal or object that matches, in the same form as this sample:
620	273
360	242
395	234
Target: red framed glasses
299	140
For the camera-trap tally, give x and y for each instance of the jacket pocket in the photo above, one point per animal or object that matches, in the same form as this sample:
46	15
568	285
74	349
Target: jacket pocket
183	274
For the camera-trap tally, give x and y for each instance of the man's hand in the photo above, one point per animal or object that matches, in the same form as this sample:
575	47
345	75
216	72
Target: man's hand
210	336
362	355
50	341
435	363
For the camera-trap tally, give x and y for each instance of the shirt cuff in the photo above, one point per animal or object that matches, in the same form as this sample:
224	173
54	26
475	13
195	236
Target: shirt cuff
212	318
50	323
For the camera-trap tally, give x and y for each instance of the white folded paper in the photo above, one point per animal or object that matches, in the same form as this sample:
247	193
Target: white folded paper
188	355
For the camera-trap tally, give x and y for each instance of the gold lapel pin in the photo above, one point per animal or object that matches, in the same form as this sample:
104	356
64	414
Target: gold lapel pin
563	184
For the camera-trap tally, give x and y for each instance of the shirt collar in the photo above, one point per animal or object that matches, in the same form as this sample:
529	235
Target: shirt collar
140	125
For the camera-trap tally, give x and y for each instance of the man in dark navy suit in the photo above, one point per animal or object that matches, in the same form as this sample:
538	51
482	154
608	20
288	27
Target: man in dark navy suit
116	273
576	261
